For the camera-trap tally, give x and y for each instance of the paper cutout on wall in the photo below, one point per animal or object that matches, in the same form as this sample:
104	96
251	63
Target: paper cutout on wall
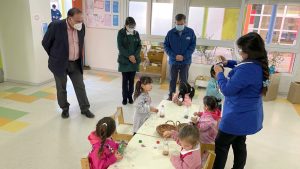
116	20
102	13
115	7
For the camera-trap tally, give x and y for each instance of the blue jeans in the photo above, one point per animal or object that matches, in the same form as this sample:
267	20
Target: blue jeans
183	71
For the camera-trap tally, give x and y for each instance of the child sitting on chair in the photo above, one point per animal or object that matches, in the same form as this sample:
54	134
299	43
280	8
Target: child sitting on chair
207	121
188	139
105	151
185	94
213	88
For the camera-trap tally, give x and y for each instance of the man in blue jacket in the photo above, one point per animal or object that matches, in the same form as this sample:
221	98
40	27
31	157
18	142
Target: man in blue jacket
179	44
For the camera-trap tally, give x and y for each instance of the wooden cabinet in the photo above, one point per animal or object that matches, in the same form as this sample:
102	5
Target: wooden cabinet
157	66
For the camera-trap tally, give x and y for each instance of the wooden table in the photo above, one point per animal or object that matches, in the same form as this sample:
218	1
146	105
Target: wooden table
172	112
148	154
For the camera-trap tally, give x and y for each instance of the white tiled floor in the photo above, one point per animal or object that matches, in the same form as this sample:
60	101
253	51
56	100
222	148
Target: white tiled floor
50	142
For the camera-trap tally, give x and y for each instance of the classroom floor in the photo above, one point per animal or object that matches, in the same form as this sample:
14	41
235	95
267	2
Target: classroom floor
34	136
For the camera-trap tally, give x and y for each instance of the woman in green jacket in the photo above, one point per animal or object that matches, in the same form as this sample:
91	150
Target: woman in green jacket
129	45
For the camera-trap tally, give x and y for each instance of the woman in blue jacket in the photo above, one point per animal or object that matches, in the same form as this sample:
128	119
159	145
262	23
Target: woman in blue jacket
247	82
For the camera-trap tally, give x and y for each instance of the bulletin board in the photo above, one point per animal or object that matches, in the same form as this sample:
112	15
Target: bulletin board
102	13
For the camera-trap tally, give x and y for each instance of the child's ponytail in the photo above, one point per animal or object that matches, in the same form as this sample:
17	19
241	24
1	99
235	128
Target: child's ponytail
104	129
138	89
103	137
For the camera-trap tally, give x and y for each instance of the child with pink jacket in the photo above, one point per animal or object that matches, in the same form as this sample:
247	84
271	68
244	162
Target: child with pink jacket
105	150
188	139
207	121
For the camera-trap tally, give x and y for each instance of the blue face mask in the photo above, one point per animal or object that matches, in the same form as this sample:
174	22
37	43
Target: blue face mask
179	27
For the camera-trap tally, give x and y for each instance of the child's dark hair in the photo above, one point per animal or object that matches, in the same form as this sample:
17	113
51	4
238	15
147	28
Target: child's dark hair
189	133
185	88
211	102
104	129
253	45
138	85
212	71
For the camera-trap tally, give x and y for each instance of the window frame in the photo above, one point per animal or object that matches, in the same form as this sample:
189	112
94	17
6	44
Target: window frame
148	35
225	43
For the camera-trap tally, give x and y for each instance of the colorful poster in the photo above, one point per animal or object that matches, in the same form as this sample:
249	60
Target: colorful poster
107	20
89	6
90	21
98	6
102	13
116	20
115	7
107	6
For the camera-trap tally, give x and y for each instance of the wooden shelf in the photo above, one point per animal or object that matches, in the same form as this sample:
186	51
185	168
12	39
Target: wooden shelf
159	66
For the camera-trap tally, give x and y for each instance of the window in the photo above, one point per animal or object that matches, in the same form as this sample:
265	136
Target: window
156	22
214	23
196	22
285	18
162	16
283	61
206	54
138	10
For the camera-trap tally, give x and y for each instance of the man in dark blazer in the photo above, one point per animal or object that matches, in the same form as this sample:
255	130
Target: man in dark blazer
63	42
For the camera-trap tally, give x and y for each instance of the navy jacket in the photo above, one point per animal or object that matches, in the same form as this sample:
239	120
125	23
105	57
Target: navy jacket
56	44
55	15
180	45
243	107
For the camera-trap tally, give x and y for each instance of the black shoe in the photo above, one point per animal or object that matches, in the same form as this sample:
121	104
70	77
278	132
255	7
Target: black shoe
130	100
65	114
88	114
124	102
170	98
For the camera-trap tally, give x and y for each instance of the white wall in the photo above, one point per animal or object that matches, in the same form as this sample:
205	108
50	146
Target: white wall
24	58
40	9
16	41
101	50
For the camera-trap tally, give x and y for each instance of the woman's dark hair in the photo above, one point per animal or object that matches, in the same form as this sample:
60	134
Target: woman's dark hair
130	21
189	133
53	6
73	11
211	102
138	85
253	45
104	129
212	71
186	88
180	17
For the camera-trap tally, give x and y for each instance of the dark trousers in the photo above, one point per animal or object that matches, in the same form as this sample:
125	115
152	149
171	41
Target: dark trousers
73	71
127	84
222	145
183	71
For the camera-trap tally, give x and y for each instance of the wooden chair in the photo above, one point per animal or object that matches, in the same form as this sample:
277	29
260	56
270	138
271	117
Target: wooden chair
209	163
207	147
124	130
85	163
119	118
